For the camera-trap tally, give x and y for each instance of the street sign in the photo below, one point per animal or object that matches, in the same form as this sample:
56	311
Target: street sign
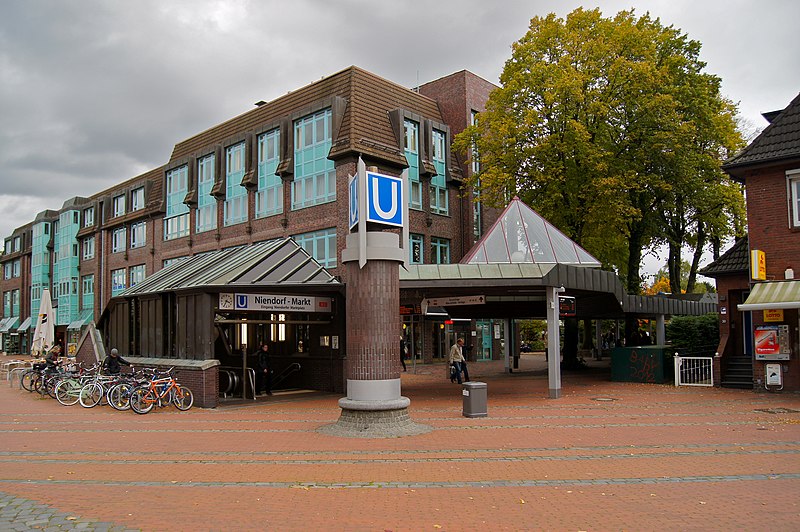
456	301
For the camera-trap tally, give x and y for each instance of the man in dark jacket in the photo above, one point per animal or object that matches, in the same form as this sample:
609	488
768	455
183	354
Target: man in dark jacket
264	371
112	363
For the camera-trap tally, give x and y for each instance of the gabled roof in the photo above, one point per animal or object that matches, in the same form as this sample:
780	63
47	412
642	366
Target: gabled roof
279	262
521	235
735	260
779	141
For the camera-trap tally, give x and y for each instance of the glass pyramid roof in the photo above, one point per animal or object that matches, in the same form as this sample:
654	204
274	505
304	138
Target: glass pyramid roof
521	235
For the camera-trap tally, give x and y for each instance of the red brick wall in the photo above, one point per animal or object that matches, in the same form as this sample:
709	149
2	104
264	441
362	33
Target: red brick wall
768	221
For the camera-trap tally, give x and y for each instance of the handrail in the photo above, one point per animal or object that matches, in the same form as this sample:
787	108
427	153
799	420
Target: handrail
294	367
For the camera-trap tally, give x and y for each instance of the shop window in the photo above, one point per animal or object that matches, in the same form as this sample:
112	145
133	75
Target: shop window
416	253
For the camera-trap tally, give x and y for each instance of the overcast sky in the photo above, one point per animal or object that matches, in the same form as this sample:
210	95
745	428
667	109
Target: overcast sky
94	92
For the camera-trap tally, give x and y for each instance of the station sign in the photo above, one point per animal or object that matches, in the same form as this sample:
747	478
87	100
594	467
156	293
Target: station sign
275	303
455	301
383	201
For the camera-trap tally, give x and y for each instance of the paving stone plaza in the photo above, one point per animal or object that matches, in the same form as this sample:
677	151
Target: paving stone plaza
606	456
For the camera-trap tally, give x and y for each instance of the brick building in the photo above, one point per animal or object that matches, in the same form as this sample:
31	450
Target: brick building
759	296
278	170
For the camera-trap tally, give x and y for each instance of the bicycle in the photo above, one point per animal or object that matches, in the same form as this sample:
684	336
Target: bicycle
161	391
118	396
68	390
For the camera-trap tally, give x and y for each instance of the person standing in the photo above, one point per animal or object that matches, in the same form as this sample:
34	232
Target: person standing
458	361
403	351
113	363
264	372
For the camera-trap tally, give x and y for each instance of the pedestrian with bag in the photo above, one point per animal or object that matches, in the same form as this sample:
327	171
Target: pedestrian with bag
458	361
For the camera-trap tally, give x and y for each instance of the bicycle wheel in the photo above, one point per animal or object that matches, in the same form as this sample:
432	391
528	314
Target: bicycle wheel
91	395
119	395
36	383
183	398
142	399
27	379
68	392
49	385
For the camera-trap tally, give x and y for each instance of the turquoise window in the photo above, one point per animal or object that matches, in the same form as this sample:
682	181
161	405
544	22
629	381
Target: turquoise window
206	203
314	174
269	198
65	263
176	218
321	245
7	304
411	150
87	292
440	250
15	302
117	281
416	249
235	193
439	196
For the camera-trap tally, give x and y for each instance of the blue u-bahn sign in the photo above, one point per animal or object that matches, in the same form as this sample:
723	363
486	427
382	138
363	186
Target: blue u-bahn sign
384	199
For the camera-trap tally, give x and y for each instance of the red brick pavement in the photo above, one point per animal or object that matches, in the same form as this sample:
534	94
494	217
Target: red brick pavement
606	456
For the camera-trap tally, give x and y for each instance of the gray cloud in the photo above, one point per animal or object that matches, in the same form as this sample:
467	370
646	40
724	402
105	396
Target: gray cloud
96	92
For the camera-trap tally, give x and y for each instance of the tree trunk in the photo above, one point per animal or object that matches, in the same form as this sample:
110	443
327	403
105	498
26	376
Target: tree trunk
674	267
698	252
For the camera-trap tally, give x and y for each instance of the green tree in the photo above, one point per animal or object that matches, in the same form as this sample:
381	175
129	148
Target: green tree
609	128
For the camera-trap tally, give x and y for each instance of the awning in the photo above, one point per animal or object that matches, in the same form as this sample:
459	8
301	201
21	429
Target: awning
77	324
25	325
8	323
773	295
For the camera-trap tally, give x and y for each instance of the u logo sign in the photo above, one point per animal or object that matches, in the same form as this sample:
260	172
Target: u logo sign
385	197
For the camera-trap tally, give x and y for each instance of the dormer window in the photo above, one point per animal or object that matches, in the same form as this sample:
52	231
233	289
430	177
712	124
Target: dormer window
137	199
119	205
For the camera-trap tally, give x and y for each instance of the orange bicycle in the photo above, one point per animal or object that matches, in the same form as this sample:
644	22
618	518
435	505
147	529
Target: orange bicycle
162	390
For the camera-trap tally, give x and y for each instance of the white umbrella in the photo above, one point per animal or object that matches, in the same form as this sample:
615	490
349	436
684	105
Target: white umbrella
44	335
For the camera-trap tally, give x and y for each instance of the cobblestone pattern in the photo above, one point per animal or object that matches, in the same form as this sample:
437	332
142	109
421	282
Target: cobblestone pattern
653	458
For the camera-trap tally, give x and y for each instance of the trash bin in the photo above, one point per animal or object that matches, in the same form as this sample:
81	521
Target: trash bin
474	399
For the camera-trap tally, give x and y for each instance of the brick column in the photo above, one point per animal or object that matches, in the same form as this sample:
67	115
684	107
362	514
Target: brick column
373	406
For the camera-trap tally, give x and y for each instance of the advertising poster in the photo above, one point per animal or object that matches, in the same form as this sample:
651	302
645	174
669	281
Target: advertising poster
772	342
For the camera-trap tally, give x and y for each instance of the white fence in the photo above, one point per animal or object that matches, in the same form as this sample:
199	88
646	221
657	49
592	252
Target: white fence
694	371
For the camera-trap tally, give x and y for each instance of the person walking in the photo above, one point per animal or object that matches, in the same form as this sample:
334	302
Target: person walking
264	371
113	363
458	361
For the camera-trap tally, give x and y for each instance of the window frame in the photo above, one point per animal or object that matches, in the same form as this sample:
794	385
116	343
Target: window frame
118	206
137	199
312	241
793	196
119	239
235	204
269	195
438	245
176	217
206	215
314	180
136	228
439	195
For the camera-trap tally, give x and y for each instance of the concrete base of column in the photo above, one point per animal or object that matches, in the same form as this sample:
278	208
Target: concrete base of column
555	393
375	419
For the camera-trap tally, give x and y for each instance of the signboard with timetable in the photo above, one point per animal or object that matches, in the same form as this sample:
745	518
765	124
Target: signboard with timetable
274	303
